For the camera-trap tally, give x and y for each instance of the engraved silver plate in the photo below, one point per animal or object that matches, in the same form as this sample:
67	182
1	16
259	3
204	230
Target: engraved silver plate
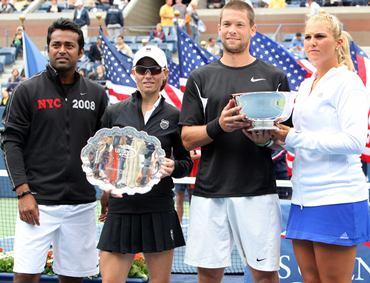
265	109
122	160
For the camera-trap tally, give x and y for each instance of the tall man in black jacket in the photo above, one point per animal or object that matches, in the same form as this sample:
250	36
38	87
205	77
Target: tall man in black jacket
48	121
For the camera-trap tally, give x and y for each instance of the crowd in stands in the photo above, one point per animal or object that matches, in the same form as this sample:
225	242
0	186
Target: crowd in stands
215	4
157	35
55	6
17	41
114	20
81	17
291	3
185	17
11	6
213	47
123	47
6	7
296	45
8	87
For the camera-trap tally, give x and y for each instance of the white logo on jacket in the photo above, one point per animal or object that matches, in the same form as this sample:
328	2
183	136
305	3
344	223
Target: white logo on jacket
164	124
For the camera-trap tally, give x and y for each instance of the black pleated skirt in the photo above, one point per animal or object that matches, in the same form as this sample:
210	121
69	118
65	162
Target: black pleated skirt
147	233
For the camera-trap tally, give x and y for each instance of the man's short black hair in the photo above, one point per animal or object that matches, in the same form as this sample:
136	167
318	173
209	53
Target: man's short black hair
298	34
66	24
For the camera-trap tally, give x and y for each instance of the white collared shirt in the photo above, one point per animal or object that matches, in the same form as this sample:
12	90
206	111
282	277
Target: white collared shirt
149	112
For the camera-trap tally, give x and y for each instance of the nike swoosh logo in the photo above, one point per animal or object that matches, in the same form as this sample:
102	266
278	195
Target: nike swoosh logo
260	259
82	93
253	80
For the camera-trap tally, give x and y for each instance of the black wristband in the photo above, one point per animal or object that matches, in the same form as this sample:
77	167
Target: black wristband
214	129
24	194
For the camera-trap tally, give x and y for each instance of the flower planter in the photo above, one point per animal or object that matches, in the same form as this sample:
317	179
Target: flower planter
8	277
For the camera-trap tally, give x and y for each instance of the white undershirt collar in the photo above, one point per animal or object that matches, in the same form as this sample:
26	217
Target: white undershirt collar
149	112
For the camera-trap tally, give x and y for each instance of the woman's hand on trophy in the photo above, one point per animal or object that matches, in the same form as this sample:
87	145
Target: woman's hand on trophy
231	119
280	134
107	192
259	137
167	167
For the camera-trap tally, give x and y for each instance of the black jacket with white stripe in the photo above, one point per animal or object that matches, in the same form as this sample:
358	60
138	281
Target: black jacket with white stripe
46	126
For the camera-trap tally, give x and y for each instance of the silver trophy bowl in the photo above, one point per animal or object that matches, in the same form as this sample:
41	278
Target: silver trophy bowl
122	160
265	108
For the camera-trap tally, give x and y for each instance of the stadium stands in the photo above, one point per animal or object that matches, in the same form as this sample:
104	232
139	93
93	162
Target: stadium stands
129	39
141	38
2	63
44	7
9	53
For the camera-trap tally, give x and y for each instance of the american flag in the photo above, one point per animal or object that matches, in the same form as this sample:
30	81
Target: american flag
264	48
118	67
361	62
362	66
172	91
192	56
120	83
174	77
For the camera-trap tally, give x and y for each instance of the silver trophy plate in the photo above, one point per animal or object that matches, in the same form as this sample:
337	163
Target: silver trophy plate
265	109
122	160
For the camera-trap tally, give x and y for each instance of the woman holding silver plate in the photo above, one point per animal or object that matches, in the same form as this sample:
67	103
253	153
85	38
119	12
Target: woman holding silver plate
146	222
329	211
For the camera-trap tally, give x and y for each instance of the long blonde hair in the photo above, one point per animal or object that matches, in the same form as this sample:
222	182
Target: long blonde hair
336	27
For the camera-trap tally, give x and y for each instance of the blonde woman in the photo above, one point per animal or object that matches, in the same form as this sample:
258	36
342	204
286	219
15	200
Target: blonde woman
329	212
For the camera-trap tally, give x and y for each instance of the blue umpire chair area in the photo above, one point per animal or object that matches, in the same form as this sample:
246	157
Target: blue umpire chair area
9	53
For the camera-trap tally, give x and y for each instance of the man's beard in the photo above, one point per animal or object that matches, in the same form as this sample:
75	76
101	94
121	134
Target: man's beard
235	50
63	68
